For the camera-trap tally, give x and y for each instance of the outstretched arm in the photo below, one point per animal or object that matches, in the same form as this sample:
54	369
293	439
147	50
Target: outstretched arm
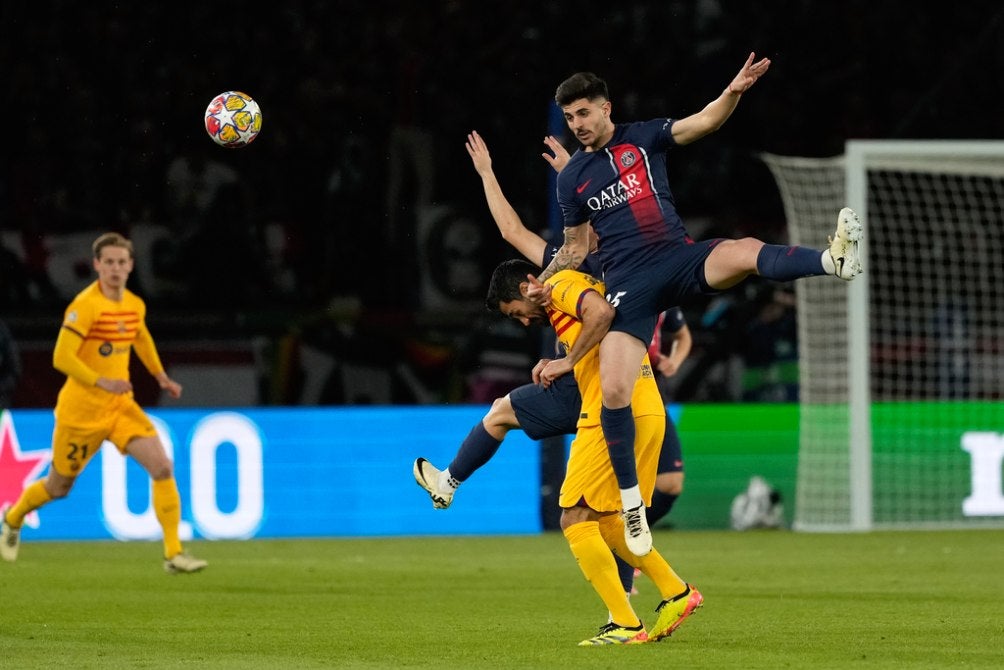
679	349
576	243
66	360
716	112
569	259
147	352
528	243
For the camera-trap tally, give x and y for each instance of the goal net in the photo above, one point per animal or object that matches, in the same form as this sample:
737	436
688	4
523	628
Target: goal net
902	369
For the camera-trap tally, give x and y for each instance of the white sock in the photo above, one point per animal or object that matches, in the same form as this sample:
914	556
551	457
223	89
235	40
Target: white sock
446	480
631	498
828	266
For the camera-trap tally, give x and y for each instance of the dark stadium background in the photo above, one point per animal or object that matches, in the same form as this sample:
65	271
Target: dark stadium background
100	98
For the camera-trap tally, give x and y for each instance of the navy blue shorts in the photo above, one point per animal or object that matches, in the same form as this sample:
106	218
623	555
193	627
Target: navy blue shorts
641	292
553	411
671	456
547	412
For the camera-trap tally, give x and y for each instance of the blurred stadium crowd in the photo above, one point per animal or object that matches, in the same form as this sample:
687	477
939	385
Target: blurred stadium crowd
355	221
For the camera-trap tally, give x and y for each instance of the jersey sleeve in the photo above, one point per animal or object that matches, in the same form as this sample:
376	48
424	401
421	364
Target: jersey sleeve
675	321
590	264
656	134
549	251
143	344
76	324
573	213
569	287
147	351
79	317
670	140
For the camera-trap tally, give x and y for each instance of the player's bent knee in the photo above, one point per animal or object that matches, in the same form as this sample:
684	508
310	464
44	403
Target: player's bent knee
670	483
616	395
670	489
501	415
573	515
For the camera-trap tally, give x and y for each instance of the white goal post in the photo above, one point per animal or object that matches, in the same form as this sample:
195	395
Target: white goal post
902	369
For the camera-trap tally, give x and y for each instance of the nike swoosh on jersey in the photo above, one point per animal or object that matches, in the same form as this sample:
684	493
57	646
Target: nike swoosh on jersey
580	189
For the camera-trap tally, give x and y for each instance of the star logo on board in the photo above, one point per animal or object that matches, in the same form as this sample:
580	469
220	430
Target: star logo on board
17	469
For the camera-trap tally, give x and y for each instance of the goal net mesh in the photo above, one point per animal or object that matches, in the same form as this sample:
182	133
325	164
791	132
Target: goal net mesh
934	321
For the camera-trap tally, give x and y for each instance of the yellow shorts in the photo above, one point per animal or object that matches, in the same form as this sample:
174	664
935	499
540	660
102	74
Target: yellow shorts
589	476
75	443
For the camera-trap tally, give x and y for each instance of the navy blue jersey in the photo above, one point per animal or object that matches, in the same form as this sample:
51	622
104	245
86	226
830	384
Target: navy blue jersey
590	264
624	190
649	262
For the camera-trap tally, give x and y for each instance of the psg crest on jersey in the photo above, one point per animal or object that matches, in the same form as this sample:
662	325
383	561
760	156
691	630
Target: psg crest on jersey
628	158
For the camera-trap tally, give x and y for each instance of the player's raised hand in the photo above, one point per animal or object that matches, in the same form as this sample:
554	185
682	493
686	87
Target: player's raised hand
559	156
749	73
537	293
478	151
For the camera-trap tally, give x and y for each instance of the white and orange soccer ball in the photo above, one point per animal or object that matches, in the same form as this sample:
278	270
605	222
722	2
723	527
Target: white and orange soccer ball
233	119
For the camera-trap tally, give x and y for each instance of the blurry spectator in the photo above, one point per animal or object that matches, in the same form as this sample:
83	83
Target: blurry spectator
411	151
342	252
210	209
192	183
36	267
770	350
736	330
235	277
25	281
14	290
667	360
10	366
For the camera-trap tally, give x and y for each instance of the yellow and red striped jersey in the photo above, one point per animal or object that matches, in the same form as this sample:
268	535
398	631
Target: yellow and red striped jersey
568	289
96	339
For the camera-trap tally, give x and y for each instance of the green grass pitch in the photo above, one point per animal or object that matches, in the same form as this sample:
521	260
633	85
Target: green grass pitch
773	599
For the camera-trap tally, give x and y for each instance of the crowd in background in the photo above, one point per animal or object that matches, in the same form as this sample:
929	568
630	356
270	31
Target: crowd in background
359	188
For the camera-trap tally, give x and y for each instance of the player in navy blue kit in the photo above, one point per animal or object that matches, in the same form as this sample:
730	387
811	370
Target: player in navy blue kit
618	182
552	410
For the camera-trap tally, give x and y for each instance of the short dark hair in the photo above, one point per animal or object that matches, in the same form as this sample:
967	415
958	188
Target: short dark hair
581	85
505	281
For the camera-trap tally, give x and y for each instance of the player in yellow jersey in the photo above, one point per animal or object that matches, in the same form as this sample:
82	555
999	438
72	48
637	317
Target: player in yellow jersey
101	327
590	497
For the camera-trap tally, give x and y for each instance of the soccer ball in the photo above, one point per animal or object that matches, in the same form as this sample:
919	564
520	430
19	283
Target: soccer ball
233	119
